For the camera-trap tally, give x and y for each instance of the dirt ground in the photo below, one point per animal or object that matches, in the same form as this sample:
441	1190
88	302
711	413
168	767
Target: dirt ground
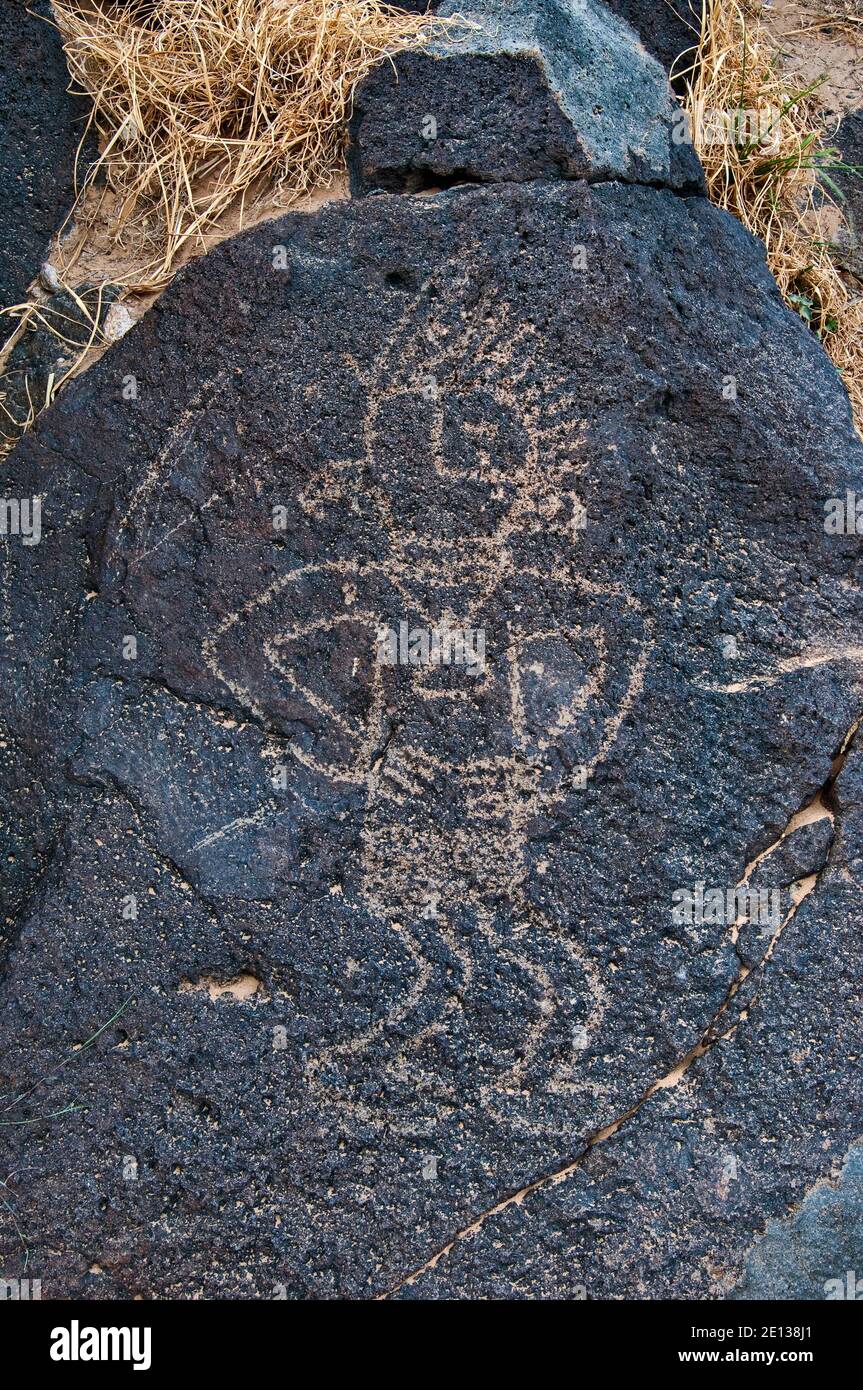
823	39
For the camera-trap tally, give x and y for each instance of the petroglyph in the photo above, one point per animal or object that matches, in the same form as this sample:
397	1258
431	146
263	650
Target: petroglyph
454	769
807	660
454	889
141	515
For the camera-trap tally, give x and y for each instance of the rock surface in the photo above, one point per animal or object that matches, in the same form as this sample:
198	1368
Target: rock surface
849	141
40	127
803	852
313	959
675	1205
815	1253
520	92
667	28
49	346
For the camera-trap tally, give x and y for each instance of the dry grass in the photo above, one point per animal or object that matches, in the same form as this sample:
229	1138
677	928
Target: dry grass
199	106
775	176
197	103
28	389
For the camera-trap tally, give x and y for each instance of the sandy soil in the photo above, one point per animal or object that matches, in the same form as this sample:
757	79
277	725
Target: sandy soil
820	39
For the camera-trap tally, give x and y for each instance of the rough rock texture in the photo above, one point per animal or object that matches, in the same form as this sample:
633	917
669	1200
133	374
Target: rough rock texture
803	852
849	141
671	1205
363	949
40	127
815	1253
563	90
677	1201
667	28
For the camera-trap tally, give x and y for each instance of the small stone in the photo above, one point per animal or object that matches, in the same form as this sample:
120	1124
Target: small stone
728	646
49	279
117	322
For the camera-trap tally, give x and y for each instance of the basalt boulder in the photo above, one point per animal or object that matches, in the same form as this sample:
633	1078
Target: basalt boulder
667	28
321	942
41	126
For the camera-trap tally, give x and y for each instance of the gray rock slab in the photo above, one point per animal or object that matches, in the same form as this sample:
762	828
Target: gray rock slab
520	91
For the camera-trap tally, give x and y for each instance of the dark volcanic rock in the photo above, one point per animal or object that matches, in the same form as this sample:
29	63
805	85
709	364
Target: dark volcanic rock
792	860
667	28
849	141
803	852
520	92
675	1205
372	945
40	127
815	1253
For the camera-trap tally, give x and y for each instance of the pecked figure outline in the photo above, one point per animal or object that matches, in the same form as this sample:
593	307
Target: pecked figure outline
500	423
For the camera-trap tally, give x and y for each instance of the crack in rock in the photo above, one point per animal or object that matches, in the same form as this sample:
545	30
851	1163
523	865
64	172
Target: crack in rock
675	1075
